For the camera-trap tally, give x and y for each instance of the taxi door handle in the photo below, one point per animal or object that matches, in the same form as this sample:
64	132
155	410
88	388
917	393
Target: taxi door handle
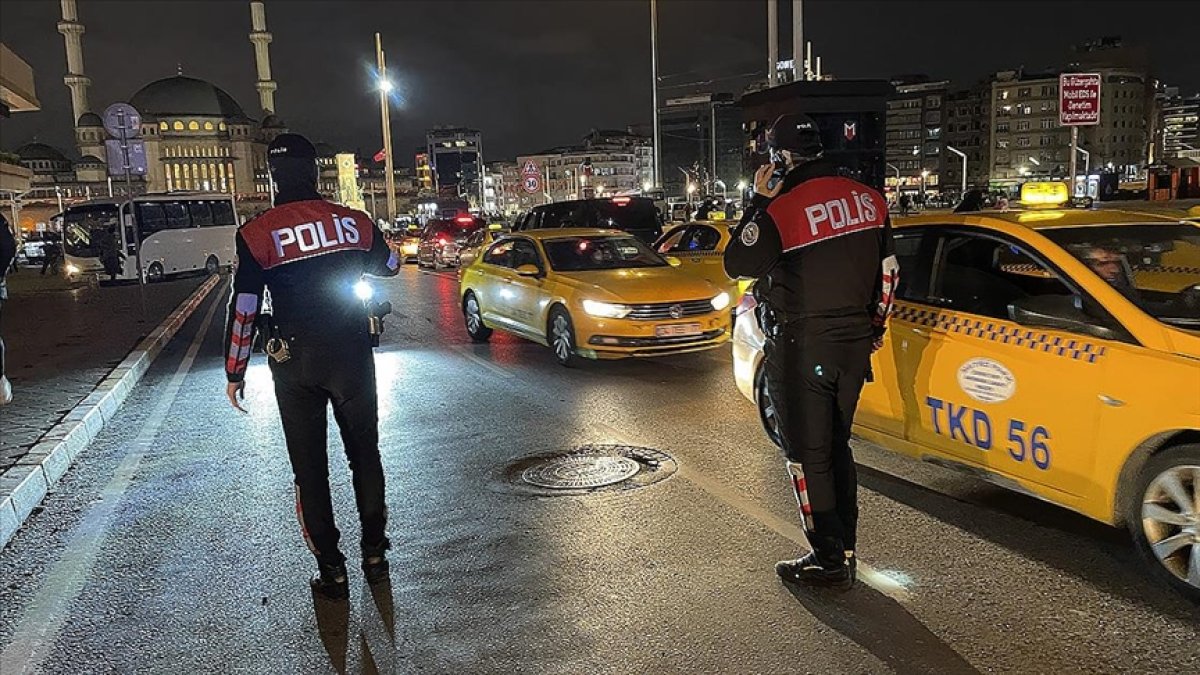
1108	400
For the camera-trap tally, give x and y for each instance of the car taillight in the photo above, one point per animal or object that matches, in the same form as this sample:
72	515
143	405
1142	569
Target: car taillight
443	241
464	219
620	201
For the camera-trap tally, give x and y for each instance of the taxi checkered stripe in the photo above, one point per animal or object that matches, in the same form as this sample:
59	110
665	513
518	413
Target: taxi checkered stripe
995	331
1173	269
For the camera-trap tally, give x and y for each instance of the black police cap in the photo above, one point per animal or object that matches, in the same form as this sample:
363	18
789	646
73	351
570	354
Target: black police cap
293	146
797	133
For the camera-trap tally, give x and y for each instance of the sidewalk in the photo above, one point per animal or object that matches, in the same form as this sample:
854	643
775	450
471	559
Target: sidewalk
62	340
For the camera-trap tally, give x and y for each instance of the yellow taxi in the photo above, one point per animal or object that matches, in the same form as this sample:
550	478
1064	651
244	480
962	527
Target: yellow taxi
700	248
1054	352
405	244
590	293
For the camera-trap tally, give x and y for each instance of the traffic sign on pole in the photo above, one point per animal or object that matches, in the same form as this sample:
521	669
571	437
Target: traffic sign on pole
122	120
1079	99
1078	105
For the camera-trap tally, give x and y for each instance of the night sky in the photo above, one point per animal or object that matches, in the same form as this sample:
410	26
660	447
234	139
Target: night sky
534	74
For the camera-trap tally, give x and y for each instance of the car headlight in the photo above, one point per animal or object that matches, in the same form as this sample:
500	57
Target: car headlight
72	269
721	301
607	310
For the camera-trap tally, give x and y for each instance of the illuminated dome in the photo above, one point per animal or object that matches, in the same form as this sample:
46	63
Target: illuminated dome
181	95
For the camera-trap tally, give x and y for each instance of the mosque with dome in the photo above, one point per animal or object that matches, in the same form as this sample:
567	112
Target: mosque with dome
197	136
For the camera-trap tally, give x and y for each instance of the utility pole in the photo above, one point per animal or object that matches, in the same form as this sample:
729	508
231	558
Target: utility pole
799	68
654	76
1074	159
772	42
384	88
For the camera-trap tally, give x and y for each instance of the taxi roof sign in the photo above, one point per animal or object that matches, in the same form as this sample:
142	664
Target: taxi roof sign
1045	193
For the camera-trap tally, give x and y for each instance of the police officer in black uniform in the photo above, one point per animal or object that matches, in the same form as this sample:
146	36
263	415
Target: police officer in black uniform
311	254
820	247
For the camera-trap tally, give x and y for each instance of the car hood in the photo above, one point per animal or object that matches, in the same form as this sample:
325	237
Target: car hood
641	285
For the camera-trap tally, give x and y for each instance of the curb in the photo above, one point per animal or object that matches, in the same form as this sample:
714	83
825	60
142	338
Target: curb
24	485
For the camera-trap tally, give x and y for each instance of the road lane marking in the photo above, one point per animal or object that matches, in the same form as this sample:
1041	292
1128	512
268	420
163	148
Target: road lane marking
749	508
46	614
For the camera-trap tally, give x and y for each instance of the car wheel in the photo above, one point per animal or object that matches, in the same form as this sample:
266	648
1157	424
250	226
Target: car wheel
766	408
1164	517
473	316
560	333
212	266
154	273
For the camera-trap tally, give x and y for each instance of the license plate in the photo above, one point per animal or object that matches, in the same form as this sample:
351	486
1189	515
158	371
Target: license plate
677	329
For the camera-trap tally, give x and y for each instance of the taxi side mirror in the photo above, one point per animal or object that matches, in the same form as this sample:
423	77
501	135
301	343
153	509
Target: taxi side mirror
1058	312
673	261
528	270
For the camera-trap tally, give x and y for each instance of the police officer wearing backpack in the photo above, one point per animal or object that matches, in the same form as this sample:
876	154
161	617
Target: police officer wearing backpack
310	254
820	247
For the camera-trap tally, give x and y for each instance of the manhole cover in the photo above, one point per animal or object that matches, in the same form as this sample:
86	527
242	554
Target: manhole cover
578	472
588	469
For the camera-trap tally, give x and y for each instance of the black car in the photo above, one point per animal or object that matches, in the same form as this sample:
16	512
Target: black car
635	215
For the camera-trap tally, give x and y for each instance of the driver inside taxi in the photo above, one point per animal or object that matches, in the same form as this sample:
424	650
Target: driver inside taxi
1108	265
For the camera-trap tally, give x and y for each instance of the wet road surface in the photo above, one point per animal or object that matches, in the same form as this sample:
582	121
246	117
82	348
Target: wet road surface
171	546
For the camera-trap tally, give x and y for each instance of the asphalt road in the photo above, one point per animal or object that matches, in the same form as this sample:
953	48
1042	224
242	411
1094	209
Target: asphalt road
171	546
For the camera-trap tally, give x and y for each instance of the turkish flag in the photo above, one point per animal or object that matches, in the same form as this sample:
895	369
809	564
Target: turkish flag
381	155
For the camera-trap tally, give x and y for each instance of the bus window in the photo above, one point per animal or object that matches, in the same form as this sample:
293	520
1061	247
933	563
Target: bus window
222	212
177	216
202	215
151	218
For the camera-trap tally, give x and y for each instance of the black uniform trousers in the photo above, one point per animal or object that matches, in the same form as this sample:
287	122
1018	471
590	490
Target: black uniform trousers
815	370
342	373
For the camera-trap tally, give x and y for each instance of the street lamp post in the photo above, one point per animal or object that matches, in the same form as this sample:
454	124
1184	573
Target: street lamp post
385	87
963	155
654	91
1087	171
924	175
895	168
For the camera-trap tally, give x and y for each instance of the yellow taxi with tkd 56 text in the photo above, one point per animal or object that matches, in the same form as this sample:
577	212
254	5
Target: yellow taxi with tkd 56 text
1054	352
591	293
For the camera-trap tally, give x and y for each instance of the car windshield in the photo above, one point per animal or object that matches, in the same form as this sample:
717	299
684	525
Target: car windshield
1156	266
79	224
580	254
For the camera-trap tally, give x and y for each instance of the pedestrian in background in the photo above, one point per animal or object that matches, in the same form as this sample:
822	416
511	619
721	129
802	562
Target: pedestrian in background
820	249
311	254
104	240
8	253
51	254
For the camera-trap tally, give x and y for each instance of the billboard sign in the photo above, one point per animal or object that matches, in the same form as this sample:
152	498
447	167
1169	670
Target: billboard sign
1079	99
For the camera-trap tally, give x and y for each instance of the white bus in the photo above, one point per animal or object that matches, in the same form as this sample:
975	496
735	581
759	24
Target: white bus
178	232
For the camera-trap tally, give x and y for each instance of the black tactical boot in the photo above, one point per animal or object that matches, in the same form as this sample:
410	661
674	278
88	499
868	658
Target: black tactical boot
330	582
375	568
809	571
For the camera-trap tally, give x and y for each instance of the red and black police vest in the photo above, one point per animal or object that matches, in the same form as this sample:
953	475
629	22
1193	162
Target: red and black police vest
302	230
824	208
